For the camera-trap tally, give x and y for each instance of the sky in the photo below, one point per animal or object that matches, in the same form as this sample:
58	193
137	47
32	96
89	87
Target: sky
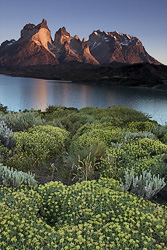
145	19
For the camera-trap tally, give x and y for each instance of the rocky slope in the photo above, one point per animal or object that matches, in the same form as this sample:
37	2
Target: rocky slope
35	47
68	48
117	47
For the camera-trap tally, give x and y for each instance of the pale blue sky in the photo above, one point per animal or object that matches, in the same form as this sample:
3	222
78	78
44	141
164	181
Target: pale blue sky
145	19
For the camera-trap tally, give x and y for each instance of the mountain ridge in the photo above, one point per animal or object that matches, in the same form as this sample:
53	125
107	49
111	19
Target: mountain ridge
36	47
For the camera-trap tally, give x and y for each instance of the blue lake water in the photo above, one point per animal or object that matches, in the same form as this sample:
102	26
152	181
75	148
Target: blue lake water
19	93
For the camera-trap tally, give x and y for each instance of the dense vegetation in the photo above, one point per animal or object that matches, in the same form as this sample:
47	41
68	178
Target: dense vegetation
92	171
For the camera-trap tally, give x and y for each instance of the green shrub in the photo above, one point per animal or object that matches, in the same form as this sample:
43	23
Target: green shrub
75	120
142	154
141	126
39	145
159	131
22	121
88	215
164	139
69	118
91	126
4	153
117	115
95	135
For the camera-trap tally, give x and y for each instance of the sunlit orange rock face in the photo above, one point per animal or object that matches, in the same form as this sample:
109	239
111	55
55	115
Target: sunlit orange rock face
31	48
68	48
35	47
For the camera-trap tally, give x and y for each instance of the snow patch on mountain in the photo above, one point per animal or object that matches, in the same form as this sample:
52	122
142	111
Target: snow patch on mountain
125	43
95	45
106	39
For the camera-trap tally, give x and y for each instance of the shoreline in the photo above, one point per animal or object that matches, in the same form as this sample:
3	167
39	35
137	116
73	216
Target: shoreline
90	82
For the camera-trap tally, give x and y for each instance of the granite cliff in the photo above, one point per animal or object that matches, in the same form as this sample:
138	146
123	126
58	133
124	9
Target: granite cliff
36	47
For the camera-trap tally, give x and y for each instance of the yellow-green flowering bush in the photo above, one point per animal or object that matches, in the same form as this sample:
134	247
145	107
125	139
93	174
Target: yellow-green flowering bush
88	215
141	154
38	146
93	134
141	126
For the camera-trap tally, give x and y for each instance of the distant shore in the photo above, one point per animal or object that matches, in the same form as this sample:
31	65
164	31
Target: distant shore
136	75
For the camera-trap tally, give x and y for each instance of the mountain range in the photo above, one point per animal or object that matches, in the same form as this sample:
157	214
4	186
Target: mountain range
36	47
105	58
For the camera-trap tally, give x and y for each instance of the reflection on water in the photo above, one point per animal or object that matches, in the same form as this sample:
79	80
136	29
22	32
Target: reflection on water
39	94
25	93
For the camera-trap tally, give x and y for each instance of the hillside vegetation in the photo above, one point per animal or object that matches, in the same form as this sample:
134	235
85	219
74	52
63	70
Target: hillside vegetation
93	178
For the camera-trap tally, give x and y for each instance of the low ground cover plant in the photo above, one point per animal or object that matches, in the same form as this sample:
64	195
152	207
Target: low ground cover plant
87	215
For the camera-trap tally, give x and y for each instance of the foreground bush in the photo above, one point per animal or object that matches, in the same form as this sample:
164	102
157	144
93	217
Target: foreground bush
6	135
21	121
140	154
38	146
93	134
88	215
146	185
14	178
117	115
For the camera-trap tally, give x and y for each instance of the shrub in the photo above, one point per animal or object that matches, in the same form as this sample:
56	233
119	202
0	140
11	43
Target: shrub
6	135
91	126
96	135
117	115
14	178
138	135
120	116
141	126
79	160
159	131
4	153
87	215
39	145
22	121
146	185
142	154
164	139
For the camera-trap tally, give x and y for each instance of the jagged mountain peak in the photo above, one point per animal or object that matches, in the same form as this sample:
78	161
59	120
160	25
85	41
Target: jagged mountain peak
31	26
7	43
63	31
77	37
31	29
43	24
108	47
35	46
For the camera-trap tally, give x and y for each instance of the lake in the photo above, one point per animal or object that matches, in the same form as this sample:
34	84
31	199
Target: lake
19	93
